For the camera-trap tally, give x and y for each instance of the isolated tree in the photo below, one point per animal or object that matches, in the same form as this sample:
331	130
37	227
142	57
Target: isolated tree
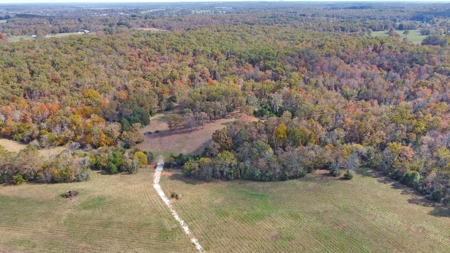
174	121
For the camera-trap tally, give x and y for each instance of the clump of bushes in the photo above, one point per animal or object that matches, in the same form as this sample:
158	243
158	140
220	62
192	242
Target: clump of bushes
174	195
411	179
115	160
335	171
69	194
18	179
348	175
27	165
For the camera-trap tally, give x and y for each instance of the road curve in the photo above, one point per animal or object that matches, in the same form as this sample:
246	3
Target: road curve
166	200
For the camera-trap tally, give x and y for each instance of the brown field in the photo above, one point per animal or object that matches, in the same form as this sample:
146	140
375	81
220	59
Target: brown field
183	141
318	213
152	29
119	213
14	146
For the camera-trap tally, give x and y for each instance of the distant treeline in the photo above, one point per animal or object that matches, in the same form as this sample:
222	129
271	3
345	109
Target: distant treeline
33	16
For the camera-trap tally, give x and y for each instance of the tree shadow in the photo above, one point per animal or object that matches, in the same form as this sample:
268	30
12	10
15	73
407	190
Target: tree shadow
439	210
166	133
201	148
178	176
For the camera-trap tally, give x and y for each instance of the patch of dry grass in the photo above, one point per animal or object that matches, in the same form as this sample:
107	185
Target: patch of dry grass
318	213
185	141
14	146
120	213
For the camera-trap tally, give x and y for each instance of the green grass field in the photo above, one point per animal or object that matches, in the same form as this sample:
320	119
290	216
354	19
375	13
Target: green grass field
120	213
318	213
314	214
413	36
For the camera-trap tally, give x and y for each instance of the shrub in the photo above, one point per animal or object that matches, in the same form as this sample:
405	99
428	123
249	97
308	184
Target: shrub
134	166
150	157
348	175
396	174
190	168
411	179
111	168
141	157
2	179
18	179
437	196
335	171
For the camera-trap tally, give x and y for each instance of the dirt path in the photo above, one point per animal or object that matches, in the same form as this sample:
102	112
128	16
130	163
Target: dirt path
160	192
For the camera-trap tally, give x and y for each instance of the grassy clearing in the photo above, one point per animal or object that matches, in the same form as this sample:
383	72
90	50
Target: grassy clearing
14	146
164	142
414	35
18	38
27	37
120	213
315	214
59	35
3	21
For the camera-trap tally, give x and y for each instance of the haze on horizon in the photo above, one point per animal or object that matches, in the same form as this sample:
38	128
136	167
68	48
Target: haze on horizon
161	1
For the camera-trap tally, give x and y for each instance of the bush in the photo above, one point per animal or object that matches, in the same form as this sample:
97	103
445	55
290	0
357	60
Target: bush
437	196
396	174
18	179
190	168
335	171
111	168
150	157
134	166
411	179
141	157
348	175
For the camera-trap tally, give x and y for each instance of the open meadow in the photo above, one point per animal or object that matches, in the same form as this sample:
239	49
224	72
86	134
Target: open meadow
317	213
14	146
27	37
120	213
186	141
414	35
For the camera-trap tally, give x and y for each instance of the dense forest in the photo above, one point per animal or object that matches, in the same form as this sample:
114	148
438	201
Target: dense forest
328	93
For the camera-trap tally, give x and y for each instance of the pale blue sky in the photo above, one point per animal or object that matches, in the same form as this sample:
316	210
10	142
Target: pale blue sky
149	1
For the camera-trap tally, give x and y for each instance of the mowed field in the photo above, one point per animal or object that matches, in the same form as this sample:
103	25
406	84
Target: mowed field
162	141
120	213
318	213
315	214
414	35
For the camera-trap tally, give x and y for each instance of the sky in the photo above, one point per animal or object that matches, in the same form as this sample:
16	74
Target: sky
149	1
